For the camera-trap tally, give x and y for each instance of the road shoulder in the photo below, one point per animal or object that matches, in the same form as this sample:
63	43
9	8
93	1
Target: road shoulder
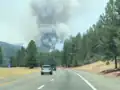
101	82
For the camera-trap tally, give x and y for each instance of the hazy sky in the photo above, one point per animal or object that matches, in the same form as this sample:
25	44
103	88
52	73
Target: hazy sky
16	19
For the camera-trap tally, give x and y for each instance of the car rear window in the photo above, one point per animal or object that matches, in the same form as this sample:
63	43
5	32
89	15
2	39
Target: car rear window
45	66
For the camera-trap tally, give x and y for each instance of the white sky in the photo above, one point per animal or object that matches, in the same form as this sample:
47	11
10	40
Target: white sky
13	19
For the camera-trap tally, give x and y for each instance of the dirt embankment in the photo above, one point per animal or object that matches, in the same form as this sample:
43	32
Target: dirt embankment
100	68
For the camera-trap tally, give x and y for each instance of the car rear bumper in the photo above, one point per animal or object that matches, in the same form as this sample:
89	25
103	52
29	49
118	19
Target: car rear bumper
46	72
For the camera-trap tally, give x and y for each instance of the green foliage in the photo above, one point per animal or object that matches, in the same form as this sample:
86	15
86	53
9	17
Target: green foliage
100	42
56	55
1	56
20	57
41	57
31	54
107	63
13	61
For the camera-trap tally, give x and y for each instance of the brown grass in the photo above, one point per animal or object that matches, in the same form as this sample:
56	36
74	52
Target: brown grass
101	68
96	67
10	72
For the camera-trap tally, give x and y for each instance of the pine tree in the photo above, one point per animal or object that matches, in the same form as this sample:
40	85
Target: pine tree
1	56
13	61
31	54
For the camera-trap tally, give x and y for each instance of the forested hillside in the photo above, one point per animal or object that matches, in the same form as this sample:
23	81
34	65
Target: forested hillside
6	51
100	42
9	49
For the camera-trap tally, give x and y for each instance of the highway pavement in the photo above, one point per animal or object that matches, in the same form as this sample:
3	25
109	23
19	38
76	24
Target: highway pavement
62	79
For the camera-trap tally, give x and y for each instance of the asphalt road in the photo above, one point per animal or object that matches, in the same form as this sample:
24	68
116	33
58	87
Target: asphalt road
62	80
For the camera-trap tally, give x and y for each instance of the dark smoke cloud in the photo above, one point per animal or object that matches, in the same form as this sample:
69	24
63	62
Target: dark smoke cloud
52	11
51	18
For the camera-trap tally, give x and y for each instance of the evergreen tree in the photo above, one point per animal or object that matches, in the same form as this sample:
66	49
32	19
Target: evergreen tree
13	61
31	54
1	56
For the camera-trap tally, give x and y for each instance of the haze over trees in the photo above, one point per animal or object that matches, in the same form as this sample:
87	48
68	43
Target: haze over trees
100	42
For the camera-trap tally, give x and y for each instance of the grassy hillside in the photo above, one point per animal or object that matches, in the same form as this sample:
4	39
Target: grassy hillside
96	67
101	68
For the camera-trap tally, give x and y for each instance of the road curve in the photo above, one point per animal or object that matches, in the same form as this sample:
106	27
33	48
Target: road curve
67	80
63	80
60	80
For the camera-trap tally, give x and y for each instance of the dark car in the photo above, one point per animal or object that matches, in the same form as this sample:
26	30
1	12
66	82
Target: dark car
46	69
54	67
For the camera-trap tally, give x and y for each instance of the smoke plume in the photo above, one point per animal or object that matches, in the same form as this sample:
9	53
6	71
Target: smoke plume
51	18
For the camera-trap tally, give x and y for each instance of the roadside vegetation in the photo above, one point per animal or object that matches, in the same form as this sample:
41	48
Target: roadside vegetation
101	42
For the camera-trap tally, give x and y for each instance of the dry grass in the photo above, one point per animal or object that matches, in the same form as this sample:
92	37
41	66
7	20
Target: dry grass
101	68
10	72
96	67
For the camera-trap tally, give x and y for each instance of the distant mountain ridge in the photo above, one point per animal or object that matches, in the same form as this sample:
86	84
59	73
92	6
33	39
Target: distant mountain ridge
9	49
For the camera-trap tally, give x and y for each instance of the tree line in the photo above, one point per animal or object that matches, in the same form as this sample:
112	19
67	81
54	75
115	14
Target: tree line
100	42
31	57
25	57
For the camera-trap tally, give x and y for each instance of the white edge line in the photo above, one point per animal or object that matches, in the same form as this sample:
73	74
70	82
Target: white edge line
41	87
86	81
